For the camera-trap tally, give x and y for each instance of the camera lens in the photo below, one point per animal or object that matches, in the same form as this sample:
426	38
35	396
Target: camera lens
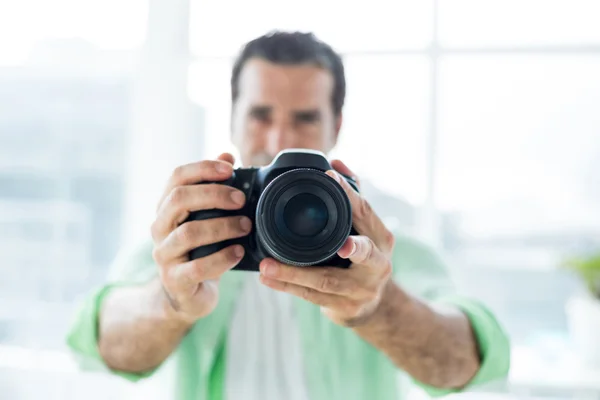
303	217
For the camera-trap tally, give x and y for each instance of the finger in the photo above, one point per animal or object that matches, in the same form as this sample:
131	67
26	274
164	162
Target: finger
322	279
342	168
188	174
206	268
184	199
364	218
227	157
363	253
194	234
314	296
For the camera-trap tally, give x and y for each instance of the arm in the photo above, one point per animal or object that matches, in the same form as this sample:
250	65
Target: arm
138	329
134	325
435	344
443	341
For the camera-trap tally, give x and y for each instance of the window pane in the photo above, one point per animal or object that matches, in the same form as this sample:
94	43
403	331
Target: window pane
385	122
209	88
518	22
31	26
222	27
49	192
518	173
63	142
531	127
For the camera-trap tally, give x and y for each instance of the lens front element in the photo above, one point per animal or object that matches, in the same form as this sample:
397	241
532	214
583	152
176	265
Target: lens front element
303	217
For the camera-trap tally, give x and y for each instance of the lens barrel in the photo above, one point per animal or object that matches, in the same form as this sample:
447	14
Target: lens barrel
303	217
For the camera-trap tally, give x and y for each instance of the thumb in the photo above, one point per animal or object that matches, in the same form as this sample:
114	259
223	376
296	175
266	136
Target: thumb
342	168
227	157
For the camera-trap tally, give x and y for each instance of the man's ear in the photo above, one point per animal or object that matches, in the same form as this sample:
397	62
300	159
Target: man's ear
336	132
233	138
231	118
338	125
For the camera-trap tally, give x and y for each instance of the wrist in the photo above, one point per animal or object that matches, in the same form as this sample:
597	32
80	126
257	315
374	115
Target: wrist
165	308
391	303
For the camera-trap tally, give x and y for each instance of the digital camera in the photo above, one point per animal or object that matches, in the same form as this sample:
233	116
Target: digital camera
300	215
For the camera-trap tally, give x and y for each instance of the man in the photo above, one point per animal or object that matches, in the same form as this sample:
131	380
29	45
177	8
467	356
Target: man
293	333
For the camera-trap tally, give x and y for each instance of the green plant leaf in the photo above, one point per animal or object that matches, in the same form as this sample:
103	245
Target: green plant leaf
588	269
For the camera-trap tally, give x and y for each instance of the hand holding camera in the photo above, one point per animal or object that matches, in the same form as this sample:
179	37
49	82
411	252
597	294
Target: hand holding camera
190	286
301	216
349	297
295	220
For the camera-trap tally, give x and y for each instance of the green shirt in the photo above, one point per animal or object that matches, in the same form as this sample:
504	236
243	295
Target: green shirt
338	363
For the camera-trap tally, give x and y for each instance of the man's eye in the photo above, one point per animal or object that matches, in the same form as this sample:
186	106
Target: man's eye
307	118
261	115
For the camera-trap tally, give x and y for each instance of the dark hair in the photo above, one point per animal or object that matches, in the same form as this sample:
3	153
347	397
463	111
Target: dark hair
293	48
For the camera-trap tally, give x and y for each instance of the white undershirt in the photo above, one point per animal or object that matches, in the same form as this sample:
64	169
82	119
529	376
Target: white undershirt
263	358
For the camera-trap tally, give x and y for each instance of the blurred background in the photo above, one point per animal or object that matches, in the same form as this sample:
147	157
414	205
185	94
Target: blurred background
493	107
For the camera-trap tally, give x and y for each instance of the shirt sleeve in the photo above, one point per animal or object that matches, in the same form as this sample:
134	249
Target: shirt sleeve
422	271
132	266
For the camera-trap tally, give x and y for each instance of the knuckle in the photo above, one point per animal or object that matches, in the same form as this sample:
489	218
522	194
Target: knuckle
186	232
177	196
211	191
306	294
157	256
154	230
178	173
329	283
390	239
196	271
364	208
210	195
369	249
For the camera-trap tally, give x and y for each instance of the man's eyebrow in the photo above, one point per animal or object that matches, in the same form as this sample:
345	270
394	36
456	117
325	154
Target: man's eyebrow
260	111
307	115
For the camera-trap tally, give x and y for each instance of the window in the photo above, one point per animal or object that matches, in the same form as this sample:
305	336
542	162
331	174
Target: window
64	126
514	23
219	28
31	25
530	125
387	102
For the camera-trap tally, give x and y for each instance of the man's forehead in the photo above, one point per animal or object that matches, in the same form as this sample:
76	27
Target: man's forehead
261	78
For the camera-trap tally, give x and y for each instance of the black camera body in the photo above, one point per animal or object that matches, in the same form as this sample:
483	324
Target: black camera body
300	215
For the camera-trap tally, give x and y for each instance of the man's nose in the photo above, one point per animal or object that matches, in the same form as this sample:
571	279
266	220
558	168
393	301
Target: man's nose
279	138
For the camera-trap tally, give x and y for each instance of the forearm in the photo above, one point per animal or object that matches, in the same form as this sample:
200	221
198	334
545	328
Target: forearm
137	329
434	345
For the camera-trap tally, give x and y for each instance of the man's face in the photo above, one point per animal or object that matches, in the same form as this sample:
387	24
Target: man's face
281	107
